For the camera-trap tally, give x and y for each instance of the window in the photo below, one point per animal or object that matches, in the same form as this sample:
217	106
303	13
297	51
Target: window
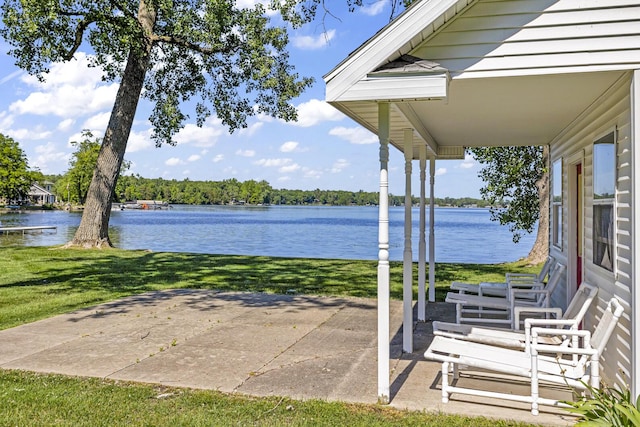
556	203
604	185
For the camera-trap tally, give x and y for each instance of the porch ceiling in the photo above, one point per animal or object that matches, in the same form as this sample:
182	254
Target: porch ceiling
497	111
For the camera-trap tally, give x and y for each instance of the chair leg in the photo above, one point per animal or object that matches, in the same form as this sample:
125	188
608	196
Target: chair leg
535	390
595	371
445	382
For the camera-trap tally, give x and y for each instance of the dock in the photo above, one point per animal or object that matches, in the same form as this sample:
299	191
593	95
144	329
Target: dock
7	230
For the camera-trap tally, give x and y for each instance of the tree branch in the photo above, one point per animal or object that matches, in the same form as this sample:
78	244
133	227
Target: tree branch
117	5
189	45
82	26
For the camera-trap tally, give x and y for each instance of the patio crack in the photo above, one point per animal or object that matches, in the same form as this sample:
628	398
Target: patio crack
262	370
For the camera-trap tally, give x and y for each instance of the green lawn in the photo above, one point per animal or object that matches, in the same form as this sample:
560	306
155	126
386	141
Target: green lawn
36	283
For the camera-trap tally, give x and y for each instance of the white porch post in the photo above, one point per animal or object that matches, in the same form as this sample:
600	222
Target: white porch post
407	258
635	233
432	236
383	256
422	244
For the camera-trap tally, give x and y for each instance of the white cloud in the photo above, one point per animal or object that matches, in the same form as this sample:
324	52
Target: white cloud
139	141
71	89
313	43
97	122
355	135
65	125
193	158
49	159
246	153
10	76
29	134
374	8
174	161
218	158
289	147
289	168
340	165
315	111
273	162
251	129
6	121
440	171
205	136
312	173
469	162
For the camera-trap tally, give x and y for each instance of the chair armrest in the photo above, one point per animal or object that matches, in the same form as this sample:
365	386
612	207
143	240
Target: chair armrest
529	327
531	276
526	295
519	310
586	348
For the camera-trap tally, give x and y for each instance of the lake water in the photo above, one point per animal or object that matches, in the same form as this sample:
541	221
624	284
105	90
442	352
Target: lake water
347	232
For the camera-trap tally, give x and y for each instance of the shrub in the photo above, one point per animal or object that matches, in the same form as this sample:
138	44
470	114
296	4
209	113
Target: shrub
607	406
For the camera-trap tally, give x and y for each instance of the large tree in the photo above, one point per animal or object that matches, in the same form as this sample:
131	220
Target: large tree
232	59
15	176
518	177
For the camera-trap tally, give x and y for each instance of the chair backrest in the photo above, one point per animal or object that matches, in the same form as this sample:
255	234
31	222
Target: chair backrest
546	268
554	279
580	302
606	325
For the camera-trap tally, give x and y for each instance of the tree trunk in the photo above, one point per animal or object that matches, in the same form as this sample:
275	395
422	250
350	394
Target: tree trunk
94	226
540	249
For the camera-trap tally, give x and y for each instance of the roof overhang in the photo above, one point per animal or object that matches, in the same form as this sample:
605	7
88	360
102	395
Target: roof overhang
518	110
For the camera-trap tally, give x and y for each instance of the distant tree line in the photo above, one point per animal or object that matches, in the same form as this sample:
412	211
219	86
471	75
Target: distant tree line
230	191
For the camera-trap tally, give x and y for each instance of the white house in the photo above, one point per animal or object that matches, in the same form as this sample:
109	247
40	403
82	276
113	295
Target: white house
41	194
450	74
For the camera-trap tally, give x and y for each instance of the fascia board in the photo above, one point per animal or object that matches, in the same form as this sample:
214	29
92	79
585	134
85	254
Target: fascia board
398	89
385	44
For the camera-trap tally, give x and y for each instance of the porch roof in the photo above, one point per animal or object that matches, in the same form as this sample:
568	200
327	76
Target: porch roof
459	101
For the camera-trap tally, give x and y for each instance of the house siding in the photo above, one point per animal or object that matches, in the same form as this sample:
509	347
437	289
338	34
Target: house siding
612	111
494	38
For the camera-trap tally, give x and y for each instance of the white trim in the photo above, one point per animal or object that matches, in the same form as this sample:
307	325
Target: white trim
422	243
383	258
407	257
383	47
635	217
394	89
432	233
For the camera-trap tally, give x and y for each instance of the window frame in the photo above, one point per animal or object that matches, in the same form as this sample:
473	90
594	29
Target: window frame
599	204
557	223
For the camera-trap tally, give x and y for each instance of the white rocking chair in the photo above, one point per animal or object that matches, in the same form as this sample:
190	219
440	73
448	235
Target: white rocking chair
501	310
500	288
538	362
516	338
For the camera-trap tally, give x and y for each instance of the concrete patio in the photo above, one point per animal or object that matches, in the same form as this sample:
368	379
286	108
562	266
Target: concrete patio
256	344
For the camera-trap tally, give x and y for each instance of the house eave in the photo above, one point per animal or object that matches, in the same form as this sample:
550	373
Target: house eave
394	88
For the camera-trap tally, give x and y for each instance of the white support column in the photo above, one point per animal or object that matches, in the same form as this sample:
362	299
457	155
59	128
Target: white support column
635	234
432	236
383	257
407	256
422	243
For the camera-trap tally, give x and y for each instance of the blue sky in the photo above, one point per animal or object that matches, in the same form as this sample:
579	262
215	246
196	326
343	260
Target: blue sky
324	149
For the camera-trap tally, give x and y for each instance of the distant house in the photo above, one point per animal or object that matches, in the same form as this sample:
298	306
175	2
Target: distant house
41	194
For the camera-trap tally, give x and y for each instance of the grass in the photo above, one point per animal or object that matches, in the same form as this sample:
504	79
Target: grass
31	399
38	282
